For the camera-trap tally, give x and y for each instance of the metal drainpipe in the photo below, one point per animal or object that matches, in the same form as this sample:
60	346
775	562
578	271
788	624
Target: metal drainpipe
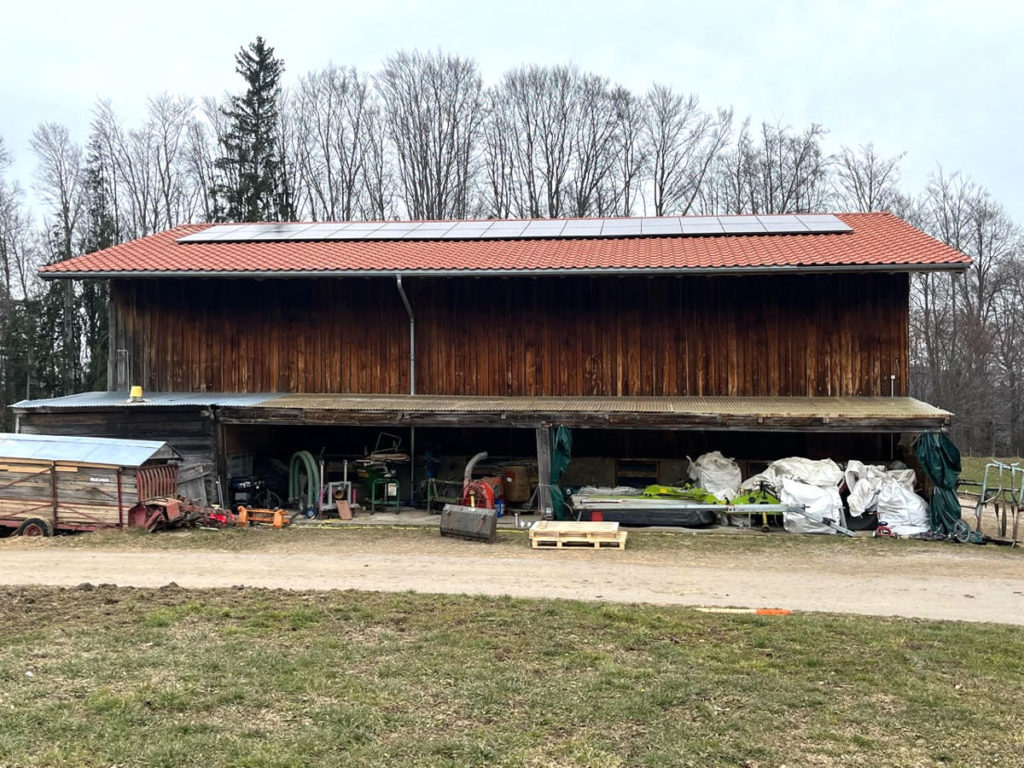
412	335
412	386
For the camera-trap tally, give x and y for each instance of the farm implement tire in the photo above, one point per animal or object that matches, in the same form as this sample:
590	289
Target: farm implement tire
34	526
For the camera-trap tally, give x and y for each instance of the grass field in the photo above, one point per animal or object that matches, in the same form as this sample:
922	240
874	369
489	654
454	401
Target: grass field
106	676
974	466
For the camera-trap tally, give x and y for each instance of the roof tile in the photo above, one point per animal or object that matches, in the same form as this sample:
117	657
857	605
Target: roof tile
878	239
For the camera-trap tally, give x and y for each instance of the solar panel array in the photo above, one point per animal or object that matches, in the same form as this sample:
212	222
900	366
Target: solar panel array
509	230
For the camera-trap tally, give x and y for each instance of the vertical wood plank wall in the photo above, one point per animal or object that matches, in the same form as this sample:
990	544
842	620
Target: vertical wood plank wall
837	335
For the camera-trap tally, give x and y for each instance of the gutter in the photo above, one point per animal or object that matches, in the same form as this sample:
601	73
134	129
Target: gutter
608	271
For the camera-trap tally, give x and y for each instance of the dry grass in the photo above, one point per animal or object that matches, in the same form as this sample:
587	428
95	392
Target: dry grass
260	678
643	545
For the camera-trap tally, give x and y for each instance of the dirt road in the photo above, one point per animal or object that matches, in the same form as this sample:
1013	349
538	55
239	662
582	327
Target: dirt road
944	582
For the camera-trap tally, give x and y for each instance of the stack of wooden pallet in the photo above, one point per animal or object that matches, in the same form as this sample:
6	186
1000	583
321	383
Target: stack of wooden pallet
559	534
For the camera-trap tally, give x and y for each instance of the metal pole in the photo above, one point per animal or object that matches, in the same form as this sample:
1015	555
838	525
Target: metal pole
412	387
412	335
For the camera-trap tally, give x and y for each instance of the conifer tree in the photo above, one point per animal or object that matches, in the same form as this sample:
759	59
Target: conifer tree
250	186
101	232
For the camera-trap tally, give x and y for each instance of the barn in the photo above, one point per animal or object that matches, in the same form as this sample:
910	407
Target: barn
652	339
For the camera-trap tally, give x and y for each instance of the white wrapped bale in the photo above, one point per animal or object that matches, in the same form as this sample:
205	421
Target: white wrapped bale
818	502
716	474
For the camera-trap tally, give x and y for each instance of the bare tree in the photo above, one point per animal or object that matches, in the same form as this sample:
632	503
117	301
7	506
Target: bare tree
865	181
60	181
533	111
152	184
332	109
379	174
500	156
683	143
957	319
433	106
1009	349
130	155
629	154
199	158
168	124
292	192
19	248
773	171
593	145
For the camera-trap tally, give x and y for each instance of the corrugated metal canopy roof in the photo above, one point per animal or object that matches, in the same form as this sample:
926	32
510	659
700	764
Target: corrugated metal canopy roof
150	399
800	413
796	407
83	450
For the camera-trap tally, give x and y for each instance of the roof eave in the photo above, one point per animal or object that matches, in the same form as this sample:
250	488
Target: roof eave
552	272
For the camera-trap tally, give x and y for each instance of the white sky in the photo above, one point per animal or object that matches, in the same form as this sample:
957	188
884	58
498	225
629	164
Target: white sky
939	80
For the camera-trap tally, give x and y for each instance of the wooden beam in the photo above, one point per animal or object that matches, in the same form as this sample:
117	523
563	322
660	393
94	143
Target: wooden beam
588	419
220	458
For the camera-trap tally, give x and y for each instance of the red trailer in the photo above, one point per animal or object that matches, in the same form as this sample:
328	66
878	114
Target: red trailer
51	483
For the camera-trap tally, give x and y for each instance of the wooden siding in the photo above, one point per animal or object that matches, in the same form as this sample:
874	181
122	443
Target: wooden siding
811	335
65	493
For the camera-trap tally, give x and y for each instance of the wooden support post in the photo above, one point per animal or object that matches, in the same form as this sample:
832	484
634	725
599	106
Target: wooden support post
220	458
543	469
111	343
53	493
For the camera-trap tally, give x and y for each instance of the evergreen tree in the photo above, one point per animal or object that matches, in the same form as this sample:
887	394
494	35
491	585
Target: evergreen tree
250	186
57	344
101	232
20	340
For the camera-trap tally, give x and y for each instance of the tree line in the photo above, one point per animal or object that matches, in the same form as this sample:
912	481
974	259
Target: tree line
425	138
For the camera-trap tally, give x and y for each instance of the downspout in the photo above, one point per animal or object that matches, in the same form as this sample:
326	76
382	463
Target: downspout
412	386
412	335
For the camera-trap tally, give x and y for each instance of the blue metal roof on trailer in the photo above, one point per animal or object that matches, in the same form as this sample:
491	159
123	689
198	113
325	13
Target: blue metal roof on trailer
83	450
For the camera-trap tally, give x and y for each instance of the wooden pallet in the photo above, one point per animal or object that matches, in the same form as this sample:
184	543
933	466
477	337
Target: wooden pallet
557	534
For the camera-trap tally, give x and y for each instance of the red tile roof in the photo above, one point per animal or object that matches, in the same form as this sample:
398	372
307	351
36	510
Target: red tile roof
878	240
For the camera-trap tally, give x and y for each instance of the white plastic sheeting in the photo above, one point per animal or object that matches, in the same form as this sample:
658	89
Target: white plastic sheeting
815	485
866	482
901	509
823	474
716	474
819	502
863	481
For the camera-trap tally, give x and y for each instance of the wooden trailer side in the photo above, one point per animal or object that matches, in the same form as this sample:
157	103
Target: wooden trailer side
65	494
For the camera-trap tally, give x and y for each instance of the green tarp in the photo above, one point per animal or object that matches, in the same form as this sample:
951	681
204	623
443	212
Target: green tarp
940	459
561	455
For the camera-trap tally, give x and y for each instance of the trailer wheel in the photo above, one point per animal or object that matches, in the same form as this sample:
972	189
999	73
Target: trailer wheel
34	526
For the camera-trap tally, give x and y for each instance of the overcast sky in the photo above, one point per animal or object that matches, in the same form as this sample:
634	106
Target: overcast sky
939	80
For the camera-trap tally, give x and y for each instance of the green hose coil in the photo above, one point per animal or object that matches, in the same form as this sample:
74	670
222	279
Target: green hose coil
303	463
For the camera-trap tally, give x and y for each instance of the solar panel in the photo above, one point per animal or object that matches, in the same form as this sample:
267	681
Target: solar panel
582	225
663	226
670	226
700	225
742	228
